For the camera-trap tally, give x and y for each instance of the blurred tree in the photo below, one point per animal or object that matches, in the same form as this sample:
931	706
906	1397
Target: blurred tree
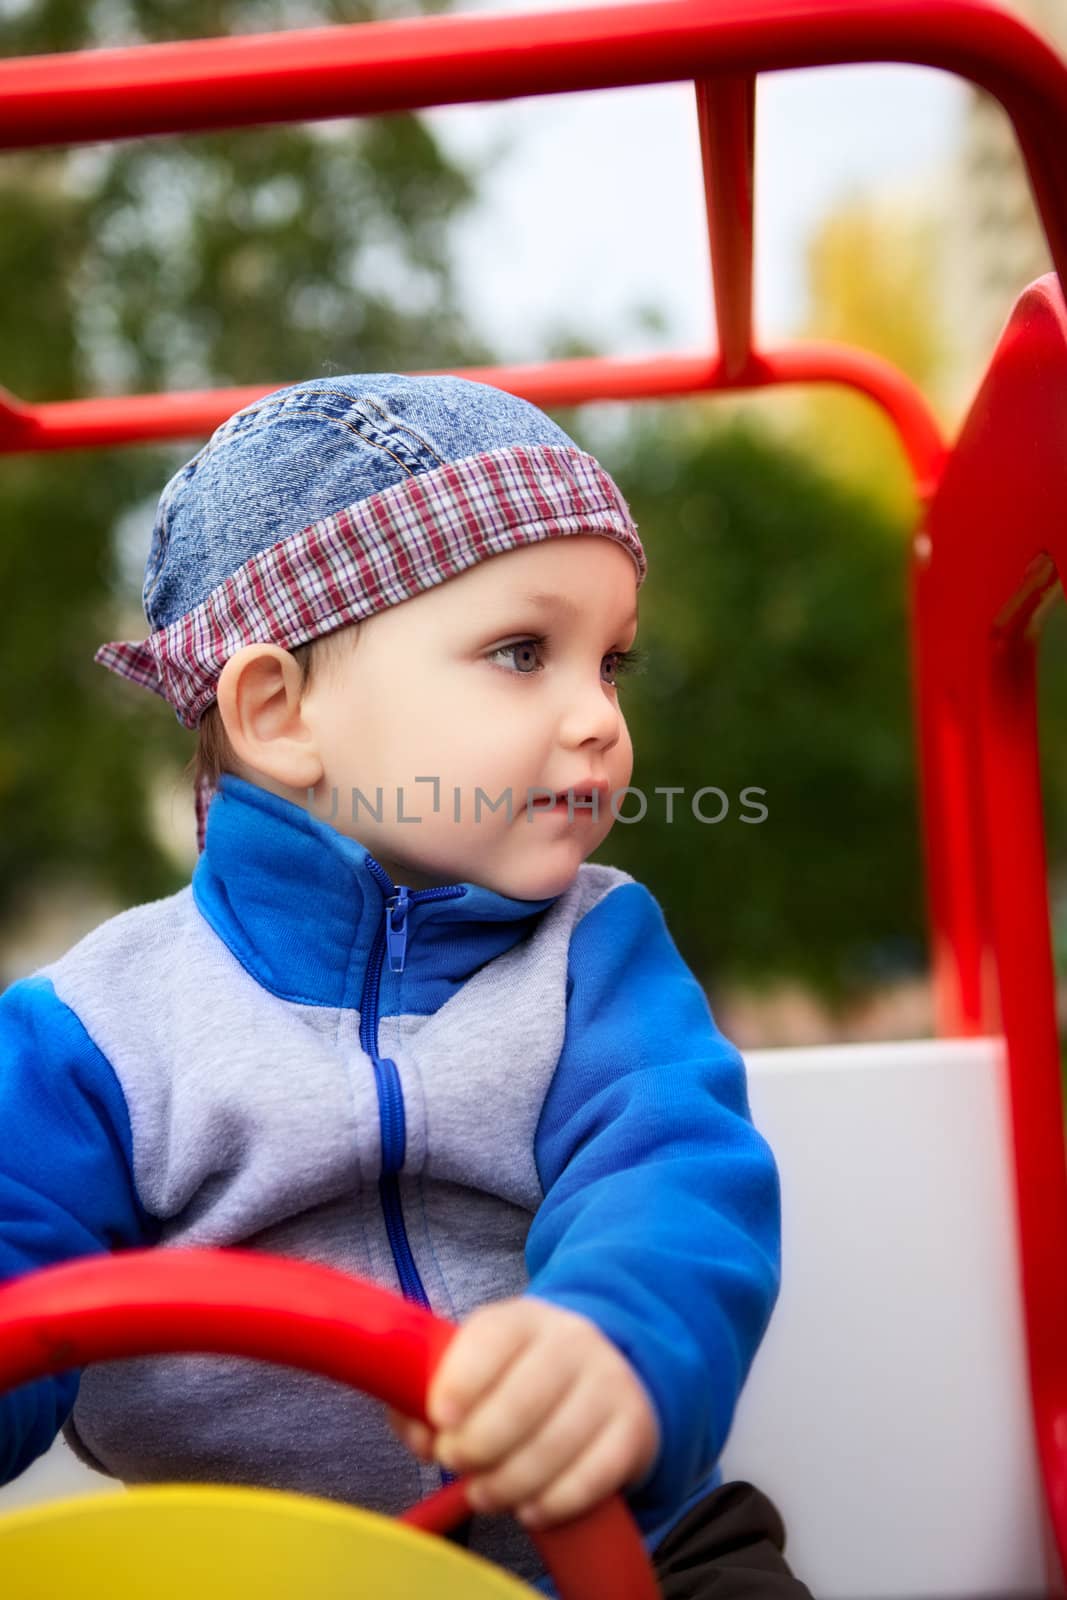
774	625
264	255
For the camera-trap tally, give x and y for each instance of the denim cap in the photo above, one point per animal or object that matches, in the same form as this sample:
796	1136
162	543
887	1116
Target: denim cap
327	501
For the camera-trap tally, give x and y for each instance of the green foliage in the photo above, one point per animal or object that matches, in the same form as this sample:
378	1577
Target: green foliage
774	623
265	255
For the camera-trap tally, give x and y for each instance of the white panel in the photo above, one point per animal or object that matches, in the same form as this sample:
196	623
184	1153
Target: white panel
887	1413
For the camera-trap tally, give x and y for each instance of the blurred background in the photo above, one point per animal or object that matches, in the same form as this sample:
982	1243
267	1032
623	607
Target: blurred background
893	213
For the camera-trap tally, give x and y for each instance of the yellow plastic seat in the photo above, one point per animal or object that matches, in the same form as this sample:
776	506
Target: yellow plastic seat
201	1542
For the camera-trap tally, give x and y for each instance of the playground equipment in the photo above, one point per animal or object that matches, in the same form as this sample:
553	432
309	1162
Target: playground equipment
908	1410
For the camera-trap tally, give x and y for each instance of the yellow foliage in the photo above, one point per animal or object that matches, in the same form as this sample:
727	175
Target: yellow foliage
872	272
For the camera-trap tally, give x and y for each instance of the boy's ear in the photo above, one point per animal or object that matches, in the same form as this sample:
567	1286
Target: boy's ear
259	701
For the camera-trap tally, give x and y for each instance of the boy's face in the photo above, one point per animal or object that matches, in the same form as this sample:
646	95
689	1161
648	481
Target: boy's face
478	685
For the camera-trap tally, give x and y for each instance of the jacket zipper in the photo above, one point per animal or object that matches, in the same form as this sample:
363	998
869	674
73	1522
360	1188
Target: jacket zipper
391	939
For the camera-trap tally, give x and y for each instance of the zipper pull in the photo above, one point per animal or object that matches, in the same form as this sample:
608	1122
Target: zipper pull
396	928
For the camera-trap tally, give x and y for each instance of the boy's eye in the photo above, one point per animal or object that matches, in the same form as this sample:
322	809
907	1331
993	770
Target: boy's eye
525	652
625	661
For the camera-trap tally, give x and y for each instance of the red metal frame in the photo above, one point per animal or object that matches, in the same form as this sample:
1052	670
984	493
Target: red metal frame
985	556
719	45
997	546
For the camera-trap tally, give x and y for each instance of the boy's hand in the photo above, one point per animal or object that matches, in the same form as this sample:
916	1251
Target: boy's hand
544	1408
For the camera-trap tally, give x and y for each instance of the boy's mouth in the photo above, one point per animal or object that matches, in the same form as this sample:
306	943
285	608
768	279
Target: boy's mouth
583	792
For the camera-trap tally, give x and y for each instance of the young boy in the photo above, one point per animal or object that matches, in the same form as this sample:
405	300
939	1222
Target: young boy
396	1023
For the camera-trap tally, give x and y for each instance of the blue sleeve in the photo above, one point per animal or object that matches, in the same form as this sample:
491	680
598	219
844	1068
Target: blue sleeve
66	1179
661	1215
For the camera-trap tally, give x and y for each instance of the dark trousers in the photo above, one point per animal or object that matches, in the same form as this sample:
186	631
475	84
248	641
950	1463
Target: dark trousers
729	1547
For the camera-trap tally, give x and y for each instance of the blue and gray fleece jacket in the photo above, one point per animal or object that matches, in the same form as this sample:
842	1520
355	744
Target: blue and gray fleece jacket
493	1097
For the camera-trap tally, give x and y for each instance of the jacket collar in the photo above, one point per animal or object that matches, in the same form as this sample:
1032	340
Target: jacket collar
302	906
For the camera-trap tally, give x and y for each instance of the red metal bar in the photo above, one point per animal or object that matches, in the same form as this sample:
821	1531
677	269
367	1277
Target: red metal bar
1019	904
996	541
134	419
726	110
390	66
154	89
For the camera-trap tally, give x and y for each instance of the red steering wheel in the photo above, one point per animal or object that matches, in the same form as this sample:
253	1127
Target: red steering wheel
235	1302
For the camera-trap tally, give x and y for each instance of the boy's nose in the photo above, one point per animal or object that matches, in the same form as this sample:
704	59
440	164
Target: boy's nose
590	714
